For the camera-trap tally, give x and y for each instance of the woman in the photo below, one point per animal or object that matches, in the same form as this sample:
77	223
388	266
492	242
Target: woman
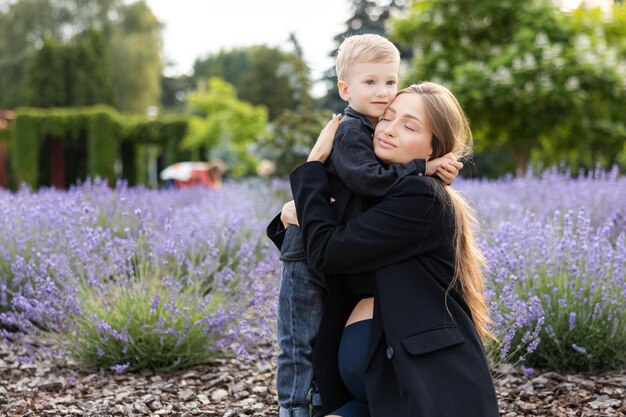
405	314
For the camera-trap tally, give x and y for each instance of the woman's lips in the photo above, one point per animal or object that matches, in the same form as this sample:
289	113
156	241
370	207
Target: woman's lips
385	144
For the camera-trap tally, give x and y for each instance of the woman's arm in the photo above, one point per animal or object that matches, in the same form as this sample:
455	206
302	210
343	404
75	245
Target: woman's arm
409	221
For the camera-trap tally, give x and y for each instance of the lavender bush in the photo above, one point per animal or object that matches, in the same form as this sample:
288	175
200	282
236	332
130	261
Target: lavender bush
139	278
557	253
136	278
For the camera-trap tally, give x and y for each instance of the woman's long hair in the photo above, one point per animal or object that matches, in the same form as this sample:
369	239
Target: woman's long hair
451	133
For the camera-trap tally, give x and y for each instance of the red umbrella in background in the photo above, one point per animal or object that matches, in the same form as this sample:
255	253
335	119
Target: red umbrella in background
187	174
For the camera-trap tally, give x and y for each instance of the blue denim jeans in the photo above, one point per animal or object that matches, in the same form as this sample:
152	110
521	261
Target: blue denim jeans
300	305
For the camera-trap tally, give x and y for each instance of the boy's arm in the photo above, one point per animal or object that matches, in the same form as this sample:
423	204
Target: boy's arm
356	164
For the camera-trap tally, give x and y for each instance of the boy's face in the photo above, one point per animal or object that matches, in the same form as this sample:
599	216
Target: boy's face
370	87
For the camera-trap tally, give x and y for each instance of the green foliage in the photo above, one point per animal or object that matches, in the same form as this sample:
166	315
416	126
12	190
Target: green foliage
131	39
260	74
135	51
22	24
73	74
229	126
45	79
88	78
525	73
291	137
5	135
102	146
570	334
103	129
138	324
25	147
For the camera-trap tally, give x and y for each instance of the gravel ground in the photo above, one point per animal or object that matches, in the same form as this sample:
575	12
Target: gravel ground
230	388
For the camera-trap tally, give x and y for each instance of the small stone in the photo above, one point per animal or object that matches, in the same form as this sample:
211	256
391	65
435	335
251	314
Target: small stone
604	402
191	405
203	399
186	394
219	394
259	389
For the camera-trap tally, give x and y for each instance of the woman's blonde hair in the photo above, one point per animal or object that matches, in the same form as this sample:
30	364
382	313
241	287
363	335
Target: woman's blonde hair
364	49
451	133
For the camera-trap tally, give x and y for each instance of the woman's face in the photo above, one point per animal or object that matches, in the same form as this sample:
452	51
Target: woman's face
403	134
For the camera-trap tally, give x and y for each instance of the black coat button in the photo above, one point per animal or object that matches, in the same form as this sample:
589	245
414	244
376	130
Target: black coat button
389	352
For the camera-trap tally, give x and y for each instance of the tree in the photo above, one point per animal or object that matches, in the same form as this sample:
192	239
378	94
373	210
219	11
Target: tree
46	81
293	132
521	69
72	74
26	24
130	33
260	74
174	91
227	128
136	66
368	16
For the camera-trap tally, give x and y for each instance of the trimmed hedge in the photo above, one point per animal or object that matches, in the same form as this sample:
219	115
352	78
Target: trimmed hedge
104	129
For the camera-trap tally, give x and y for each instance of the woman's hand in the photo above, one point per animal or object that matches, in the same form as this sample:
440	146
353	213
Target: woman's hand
288	214
324	145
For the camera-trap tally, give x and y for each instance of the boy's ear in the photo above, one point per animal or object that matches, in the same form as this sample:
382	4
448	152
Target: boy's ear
342	86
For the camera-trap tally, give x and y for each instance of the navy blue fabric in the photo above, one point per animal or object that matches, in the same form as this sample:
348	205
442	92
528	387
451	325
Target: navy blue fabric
353	352
354	408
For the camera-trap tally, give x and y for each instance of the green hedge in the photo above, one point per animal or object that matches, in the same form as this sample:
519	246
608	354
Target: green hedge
102	127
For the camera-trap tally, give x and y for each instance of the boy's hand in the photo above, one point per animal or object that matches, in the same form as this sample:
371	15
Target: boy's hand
324	144
288	214
446	167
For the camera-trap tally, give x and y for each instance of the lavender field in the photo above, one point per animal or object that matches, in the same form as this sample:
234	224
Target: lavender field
129	278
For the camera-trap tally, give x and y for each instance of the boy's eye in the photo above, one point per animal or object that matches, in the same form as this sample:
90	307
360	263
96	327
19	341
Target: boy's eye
369	82
391	83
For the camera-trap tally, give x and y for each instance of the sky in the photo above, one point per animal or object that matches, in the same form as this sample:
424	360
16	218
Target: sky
197	28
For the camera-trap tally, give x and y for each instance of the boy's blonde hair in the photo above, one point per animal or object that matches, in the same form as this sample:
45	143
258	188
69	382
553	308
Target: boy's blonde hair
364	49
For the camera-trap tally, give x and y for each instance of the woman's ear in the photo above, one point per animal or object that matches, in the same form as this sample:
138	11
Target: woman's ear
342	86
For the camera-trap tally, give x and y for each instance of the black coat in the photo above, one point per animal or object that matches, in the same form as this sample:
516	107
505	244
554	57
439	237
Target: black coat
425	359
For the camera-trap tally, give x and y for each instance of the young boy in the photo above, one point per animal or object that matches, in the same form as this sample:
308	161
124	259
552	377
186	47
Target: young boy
367	70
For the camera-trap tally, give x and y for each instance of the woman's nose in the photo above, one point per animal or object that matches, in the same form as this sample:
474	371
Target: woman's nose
390	129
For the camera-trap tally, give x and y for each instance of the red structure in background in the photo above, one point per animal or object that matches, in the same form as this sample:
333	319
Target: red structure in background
6	116
57	164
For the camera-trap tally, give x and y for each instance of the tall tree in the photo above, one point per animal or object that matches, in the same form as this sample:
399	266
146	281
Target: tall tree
136	66
25	24
260	74
293	132
46	81
130	30
227	127
71	74
526	76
